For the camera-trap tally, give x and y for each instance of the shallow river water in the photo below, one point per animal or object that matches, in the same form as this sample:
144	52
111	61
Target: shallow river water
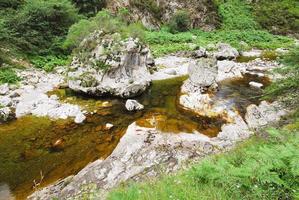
35	151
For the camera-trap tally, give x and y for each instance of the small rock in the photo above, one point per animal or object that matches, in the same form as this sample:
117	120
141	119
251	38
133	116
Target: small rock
133	105
79	118
108	126
5	101
226	52
170	72
4	89
256	85
201	52
4	114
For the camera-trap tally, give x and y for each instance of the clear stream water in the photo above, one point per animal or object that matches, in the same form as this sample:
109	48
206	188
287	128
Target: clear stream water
32	146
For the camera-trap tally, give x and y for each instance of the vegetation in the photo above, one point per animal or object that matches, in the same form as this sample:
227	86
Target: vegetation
279	17
89	7
39	26
8	75
48	63
164	42
150	6
180	22
287	88
104	21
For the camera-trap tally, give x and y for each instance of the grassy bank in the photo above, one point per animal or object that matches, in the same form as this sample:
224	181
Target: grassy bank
265	167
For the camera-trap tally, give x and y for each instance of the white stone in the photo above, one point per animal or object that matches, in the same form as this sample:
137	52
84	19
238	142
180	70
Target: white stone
225	51
79	118
4	89
132	105
228	70
256	84
5	101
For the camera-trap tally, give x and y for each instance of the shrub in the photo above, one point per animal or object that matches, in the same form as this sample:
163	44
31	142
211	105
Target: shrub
39	23
150	6
89	8
8	75
104	21
180	22
280	17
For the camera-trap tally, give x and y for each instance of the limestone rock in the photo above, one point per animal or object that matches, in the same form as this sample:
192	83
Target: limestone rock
5	101
256	85
133	105
226	52
264	114
4	89
111	67
5	114
203	72
201	52
228	70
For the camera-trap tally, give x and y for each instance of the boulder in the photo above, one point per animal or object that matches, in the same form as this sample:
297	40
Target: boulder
199	53
108	65
228	70
264	114
226	52
133	105
203	72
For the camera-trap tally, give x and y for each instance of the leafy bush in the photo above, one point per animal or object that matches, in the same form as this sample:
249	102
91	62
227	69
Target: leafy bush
264	168
8	75
280	17
5	4
104	21
150	6
236	15
39	24
180	22
89	8
48	63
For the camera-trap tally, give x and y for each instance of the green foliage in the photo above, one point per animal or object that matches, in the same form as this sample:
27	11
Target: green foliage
261	169
288	86
39	25
150	6
163	42
236	15
180	22
104	21
89	7
5	4
48	63
8	75
280	17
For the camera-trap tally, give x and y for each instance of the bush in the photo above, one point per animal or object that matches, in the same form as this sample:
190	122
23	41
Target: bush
280	17
104	21
40	23
150	6
8	75
89	8
180	22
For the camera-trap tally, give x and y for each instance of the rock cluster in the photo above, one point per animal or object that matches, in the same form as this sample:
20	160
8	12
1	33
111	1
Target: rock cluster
30	98
108	65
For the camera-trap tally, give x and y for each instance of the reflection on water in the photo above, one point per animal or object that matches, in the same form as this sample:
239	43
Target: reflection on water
32	146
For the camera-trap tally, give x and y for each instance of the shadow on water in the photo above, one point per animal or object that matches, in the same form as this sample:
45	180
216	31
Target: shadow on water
32	146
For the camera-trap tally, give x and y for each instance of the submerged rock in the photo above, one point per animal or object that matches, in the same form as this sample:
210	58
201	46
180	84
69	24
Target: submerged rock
108	65
133	105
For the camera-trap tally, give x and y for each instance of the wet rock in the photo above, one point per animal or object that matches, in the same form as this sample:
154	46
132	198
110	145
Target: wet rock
4	89
5	114
228	70
80	117
108	126
264	114
133	105
226	52
58	145
123	72
256	85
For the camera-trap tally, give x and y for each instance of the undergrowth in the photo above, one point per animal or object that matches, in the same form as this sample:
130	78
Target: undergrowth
8	75
48	63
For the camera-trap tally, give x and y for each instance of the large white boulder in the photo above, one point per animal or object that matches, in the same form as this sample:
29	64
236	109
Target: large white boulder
108	65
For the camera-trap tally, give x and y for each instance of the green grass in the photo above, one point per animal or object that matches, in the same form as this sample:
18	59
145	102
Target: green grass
8	75
265	167
164	42
48	63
